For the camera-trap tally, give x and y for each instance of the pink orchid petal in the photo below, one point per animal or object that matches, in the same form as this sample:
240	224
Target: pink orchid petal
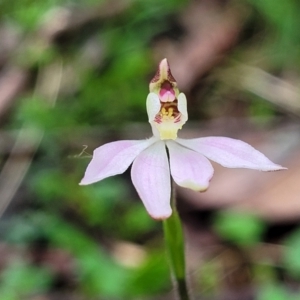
230	153
189	169
150	175
113	158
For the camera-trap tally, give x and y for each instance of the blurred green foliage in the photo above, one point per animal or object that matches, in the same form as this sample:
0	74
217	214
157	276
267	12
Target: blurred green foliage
238	227
22	279
292	257
274	292
282	24
29	14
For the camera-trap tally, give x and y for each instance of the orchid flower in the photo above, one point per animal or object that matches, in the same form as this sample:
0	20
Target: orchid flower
164	155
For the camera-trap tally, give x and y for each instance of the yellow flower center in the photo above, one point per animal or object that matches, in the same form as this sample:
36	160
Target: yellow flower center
167	120
168	112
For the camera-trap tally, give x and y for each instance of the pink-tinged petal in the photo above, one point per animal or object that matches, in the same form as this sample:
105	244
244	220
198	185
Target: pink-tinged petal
150	175
189	169
113	158
230	153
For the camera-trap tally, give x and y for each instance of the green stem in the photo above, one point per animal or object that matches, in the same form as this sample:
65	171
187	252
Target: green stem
175	247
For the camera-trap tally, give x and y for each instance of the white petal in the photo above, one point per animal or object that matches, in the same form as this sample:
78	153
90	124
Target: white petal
182	107
189	169
150	175
113	158
230	153
153	106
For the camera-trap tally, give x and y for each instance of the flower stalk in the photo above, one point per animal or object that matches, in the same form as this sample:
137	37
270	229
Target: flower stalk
174	240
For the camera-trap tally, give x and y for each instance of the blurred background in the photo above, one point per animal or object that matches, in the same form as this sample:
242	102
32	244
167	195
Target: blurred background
74	74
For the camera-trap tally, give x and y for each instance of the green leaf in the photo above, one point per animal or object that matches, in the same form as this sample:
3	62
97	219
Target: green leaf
274	292
241	228
292	254
20	279
99	274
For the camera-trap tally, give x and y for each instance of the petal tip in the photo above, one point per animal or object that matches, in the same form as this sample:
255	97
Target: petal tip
203	189
86	181
281	168
277	168
83	182
194	186
160	217
164	63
